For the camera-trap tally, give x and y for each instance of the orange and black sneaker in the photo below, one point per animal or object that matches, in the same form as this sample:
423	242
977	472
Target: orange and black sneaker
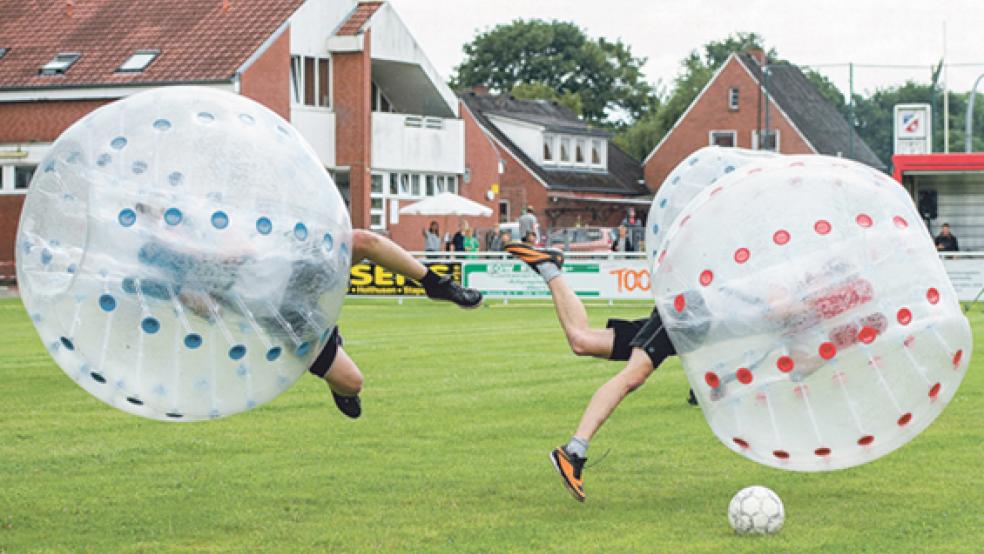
534	256
569	467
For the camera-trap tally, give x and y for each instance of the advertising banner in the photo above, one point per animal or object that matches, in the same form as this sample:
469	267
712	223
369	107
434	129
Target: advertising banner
607	279
373	280
967	276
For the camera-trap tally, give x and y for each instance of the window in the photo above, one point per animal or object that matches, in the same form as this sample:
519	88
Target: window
452	184
379	101
376	221
138	61
23	175
394	188
565	150
769	140
503	211
3	52
548	148
415	185
579	151
310	80
430	185
60	63
377	184
596	146
722	138
441	187
733	98
376	203
404	184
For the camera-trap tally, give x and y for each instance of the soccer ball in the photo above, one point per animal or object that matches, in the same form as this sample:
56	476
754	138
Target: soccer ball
756	511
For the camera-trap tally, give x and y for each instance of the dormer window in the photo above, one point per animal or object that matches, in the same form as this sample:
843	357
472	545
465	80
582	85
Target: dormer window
596	147
565	150
60	63
579	152
138	61
548	148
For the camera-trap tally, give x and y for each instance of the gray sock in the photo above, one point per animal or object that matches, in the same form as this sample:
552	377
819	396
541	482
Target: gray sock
548	270
577	446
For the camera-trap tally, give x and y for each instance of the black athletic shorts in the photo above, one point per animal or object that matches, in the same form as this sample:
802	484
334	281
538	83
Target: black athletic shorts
327	355
647	334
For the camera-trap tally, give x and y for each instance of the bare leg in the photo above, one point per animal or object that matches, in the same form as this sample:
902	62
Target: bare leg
344	376
383	251
608	397
584	341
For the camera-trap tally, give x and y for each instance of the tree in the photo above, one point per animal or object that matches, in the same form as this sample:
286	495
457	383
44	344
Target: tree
605	75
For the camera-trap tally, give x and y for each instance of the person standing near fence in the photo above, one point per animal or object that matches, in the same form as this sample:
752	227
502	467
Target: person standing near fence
529	228
946	241
432	238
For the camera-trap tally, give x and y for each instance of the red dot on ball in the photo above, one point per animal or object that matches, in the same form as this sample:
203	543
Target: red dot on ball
822	227
785	364
822	451
905	419
679	303
744	376
712	379
742	255
740	442
933	296
900	222
957	357
662	256
780	237
706	277
934	390
827	350
781	454
867	335
863	220
866	440
904	316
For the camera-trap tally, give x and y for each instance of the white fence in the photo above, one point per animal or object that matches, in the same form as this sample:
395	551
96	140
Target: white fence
617	275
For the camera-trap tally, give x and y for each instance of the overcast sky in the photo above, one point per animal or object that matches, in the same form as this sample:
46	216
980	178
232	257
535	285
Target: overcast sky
865	32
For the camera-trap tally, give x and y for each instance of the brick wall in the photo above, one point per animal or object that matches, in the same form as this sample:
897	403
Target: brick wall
267	80
41	121
352	89
712	113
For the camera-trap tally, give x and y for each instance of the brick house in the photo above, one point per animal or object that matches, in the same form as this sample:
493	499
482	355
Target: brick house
572	174
349	75
751	102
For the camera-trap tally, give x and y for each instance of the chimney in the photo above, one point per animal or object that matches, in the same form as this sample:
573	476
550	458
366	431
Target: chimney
70	8
481	90
226	6
757	54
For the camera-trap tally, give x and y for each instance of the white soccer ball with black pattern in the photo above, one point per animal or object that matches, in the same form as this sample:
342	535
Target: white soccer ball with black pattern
756	511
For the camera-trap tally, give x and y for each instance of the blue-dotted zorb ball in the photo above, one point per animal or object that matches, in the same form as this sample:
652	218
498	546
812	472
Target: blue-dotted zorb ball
183	253
811	312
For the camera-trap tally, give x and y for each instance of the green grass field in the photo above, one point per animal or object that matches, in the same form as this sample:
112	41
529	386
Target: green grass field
461	410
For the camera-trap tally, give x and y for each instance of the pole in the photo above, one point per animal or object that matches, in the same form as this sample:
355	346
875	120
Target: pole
850	110
946	98
969	125
765	78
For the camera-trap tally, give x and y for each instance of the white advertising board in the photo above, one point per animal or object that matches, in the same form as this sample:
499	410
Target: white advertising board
967	276
913	130
607	279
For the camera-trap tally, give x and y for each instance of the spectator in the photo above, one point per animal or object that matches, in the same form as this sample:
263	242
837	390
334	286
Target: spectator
432	238
458	241
529	228
946	241
622	242
469	241
634	228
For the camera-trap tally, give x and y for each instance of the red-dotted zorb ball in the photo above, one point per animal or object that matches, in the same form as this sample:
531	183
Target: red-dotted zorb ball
183	253
811	311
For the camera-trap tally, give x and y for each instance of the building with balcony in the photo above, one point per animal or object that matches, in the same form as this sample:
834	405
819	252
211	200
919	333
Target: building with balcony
348	75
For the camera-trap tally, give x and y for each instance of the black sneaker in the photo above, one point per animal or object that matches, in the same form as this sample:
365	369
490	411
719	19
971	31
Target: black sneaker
348	405
447	289
693	398
534	256
569	467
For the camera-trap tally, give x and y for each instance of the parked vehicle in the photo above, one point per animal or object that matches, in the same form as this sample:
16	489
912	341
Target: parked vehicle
581	239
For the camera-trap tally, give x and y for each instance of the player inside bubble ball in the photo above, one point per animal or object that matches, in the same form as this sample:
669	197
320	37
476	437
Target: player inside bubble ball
206	286
824	307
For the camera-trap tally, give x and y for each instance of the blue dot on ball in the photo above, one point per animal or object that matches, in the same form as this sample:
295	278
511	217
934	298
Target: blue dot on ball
127	217
264	226
175	178
303	348
246	118
139	167
67	343
220	220
237	352
655	228
46	256
103	160
162	125
117	143
675	181
72	268
107	302
693	160
49	166
729	169
300	231
129	285
206	117
150	325
329	242
325	334
172	216
193	340
663	203
273	353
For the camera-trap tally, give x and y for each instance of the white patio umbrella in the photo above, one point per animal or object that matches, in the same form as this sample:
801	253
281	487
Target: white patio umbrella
447	203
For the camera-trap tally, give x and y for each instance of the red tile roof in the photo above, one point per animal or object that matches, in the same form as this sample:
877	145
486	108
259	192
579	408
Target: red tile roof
358	19
198	40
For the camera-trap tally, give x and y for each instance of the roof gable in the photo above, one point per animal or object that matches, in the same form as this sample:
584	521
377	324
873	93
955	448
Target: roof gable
199	41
